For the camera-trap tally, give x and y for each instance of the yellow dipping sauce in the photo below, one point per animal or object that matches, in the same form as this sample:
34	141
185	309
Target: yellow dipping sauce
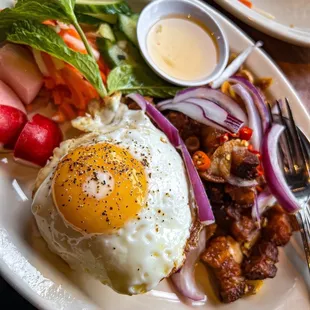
182	48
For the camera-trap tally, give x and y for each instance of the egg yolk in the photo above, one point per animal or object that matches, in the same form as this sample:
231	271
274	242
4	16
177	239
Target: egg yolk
98	188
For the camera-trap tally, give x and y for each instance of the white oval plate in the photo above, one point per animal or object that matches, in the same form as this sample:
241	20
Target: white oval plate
291	20
47	282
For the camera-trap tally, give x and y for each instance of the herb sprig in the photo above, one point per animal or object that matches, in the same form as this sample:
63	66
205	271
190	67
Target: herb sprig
22	24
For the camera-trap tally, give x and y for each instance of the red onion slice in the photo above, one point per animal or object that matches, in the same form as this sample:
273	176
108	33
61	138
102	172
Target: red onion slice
216	97
159	104
235	65
236	181
207	113
265	200
258	100
205	213
273	173
184	280
254	120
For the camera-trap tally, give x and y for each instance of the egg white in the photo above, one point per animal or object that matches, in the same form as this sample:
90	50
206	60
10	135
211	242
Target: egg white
147	249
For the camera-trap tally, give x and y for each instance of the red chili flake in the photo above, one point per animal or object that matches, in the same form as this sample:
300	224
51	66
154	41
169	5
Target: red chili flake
260	170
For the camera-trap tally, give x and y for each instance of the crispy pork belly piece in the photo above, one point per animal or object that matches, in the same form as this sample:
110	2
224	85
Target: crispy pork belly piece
244	164
244	229
278	229
210	138
223	255
233	212
241	195
261	264
178	120
186	126
215	192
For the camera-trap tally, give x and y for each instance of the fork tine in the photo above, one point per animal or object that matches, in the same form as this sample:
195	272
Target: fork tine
288	141
303	218
270	112
298	140
280	148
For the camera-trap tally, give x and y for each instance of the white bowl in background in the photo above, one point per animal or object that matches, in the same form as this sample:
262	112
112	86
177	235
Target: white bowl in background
159	9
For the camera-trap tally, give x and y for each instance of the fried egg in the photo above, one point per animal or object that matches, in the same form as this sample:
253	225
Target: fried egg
115	202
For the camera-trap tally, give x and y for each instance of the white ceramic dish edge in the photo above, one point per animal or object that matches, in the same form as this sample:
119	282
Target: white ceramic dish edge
17	281
266	25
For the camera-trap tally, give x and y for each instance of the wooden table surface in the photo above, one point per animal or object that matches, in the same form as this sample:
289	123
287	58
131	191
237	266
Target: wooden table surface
295	63
293	60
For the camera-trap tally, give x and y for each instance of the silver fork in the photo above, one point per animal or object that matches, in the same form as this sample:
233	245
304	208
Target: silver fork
294	150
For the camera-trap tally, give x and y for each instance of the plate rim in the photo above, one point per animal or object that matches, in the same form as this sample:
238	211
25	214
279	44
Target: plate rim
264	24
17	283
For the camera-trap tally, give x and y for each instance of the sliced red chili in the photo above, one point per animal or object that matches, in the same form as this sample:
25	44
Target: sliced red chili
201	161
245	133
224	138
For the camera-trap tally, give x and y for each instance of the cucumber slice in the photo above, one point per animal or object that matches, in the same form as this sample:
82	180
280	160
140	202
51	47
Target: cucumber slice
108	18
86	19
120	36
112	53
128	24
102	6
120	52
135	17
106	32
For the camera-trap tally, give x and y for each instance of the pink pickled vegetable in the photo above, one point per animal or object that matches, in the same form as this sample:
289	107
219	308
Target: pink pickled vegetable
19	70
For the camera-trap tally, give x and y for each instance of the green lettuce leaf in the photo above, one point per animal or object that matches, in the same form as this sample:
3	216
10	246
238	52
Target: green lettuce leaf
139	79
35	10
45	39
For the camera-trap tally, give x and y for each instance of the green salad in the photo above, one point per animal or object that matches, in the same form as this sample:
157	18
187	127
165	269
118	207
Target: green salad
114	25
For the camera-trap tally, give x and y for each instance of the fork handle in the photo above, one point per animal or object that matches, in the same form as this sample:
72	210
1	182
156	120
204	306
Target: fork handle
303	218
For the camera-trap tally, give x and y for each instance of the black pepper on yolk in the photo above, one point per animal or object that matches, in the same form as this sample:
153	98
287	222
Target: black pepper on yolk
98	188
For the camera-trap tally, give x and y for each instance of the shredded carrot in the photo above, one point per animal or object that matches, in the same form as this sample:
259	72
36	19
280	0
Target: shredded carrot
72	40
60	92
76	84
68	111
92	41
102	66
104	70
104	77
49	83
70	91
57	97
81	113
49	22
71	31
72	43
